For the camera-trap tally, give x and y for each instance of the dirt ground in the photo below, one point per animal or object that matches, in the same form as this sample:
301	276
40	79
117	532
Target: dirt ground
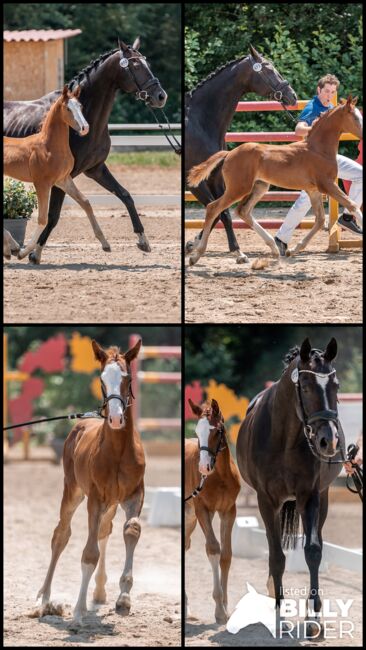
343	526
326	287
33	492
78	282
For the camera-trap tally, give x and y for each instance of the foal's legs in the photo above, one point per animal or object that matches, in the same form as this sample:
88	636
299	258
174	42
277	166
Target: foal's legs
99	595
212	211
69	186
90	555
190	522
226	526
71	499
317	205
213	553
244	212
131	535
43	196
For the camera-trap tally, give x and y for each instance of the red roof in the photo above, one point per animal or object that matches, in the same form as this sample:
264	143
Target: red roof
40	34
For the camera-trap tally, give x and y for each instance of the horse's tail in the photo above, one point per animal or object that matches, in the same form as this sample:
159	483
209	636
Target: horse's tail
289	524
201	172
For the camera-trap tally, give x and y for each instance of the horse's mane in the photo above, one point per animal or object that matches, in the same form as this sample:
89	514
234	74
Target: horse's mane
93	65
48	114
213	74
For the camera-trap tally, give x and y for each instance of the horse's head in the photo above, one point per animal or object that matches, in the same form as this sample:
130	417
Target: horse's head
72	111
316	387
210	432
136	77
268	82
116	381
352	121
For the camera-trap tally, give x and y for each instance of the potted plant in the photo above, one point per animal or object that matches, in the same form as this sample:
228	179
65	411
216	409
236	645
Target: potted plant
19	204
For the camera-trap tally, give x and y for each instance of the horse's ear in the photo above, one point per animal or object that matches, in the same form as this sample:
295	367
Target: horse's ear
65	93
215	407
354	101
76	92
305	350
122	46
133	352
99	353
331	350
195	408
136	43
254	53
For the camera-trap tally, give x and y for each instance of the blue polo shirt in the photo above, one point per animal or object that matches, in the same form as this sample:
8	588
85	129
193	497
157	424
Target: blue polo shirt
312	110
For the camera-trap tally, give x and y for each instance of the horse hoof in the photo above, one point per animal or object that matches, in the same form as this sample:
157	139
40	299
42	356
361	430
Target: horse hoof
145	247
123	606
33	259
107	248
243	259
193	259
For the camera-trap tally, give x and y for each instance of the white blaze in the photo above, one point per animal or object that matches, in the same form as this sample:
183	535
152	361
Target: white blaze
323	383
203	431
79	118
112	377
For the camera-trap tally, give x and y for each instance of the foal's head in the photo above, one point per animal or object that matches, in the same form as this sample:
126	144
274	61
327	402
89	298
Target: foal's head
210	432
71	111
116	381
316	395
349	119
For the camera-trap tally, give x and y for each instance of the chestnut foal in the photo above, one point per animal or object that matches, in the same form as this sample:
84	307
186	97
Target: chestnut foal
311	165
106	462
45	159
210	457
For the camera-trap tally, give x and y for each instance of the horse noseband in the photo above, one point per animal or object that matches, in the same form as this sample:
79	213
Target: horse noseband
141	90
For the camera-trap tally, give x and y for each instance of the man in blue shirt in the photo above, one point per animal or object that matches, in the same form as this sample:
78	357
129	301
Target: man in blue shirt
348	169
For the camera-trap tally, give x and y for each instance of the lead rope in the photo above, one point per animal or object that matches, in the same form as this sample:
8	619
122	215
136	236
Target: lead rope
178	148
197	490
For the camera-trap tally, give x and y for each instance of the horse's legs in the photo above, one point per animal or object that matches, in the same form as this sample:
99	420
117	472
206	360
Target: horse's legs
317	205
213	553
90	555
69	186
131	535
43	196
218	187
226	526
212	210
313	519
244	212
56	200
331	188
71	499
190	522
102	175
99	595
277	558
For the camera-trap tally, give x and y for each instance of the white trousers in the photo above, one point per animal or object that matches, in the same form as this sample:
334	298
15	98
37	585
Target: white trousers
348	170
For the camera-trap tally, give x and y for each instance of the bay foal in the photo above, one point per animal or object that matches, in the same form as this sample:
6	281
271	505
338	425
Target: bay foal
210	456
311	165
104	461
45	159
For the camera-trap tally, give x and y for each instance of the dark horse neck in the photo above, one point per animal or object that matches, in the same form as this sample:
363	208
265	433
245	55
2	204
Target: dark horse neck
214	101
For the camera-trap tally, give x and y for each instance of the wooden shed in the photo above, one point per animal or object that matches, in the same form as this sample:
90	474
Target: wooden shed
34	62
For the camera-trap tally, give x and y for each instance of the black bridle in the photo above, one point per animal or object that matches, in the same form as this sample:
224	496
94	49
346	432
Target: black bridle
220	429
276	90
327	415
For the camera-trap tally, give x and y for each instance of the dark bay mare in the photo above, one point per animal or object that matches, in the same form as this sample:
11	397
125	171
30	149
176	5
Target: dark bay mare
209	110
290	448
124	69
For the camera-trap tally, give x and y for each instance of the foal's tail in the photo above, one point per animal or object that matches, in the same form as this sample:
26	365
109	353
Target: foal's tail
289	524
201	172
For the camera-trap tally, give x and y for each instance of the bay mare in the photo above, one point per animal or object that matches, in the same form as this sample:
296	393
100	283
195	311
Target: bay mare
45	159
124	69
103	460
209	456
290	448
209	111
311	165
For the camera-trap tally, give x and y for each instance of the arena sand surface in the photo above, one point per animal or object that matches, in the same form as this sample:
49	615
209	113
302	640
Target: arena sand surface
77	282
33	493
343	526
326	287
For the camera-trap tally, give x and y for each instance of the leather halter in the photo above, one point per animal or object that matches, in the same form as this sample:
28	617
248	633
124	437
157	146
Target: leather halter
327	415
141	89
126	403
221	431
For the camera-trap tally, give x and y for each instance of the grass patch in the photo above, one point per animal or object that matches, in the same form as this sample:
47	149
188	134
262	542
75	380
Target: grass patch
163	159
